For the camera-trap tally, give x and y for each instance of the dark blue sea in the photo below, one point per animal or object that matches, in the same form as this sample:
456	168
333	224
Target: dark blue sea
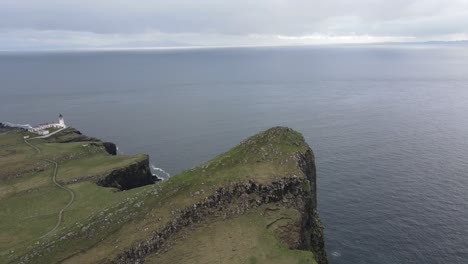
388	124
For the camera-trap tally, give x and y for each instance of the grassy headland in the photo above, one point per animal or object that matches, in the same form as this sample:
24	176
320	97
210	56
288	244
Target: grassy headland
30	202
107	225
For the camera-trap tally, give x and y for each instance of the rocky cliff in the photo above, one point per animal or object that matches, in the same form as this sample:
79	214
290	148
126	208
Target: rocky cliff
132	176
312	229
297	192
110	147
292	192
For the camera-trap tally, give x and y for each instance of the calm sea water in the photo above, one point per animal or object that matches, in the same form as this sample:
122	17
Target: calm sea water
389	127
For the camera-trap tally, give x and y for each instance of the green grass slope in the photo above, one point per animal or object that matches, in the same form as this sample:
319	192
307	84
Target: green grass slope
102	223
30	201
248	238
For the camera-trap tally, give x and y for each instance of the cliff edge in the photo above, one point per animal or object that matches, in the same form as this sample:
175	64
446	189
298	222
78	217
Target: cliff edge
255	203
285	199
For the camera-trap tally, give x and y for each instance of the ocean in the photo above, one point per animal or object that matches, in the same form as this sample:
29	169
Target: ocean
388	125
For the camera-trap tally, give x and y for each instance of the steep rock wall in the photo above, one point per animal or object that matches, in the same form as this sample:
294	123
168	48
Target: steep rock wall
110	148
134	175
312	228
294	192
289	190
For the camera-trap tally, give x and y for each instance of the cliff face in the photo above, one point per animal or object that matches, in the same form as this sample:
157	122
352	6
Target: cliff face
132	176
292	192
312	229
110	147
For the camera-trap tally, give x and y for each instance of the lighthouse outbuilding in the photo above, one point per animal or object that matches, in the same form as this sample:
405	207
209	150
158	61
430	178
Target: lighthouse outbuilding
41	129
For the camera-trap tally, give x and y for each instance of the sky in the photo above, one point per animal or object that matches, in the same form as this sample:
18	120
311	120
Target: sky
120	24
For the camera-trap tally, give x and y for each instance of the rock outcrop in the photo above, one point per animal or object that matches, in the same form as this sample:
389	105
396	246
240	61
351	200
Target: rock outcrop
110	147
131	176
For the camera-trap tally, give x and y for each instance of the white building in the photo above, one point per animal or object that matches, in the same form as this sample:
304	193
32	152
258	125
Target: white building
40	129
43	132
61	121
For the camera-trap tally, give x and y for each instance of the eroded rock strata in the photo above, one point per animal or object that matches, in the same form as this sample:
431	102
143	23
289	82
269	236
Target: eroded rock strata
290	192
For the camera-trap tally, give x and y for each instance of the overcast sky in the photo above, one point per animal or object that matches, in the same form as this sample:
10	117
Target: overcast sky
88	24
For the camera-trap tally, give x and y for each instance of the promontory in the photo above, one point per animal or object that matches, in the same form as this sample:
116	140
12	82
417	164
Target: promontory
69	198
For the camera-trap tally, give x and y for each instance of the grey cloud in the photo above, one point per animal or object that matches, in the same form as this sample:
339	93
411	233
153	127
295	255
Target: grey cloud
419	19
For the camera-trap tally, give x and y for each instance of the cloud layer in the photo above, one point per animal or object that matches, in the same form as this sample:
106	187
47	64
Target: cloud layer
47	24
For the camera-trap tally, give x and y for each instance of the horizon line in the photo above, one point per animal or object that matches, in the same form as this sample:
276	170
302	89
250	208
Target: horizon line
194	47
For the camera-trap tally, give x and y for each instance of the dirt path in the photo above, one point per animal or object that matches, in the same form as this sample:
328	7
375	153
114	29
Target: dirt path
38	151
72	198
54	179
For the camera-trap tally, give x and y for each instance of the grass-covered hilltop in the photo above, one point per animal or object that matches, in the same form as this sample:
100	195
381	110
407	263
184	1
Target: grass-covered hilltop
68	198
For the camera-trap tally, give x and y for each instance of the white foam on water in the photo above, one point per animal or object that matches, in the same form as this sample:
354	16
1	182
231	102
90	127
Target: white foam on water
25	126
118	151
163	172
336	254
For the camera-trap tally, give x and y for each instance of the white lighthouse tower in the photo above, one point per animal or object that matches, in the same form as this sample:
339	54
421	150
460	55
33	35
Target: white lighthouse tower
61	121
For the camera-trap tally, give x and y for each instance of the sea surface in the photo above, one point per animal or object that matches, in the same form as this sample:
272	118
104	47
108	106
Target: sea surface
388	125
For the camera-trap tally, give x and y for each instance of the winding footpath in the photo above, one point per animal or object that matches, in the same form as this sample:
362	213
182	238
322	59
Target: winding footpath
54	179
